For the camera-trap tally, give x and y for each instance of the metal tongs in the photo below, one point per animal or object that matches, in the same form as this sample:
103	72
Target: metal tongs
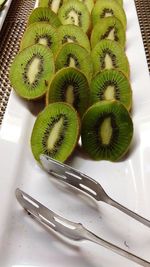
86	184
71	230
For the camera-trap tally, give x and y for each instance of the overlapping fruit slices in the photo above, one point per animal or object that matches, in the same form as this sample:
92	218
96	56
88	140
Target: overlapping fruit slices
74	53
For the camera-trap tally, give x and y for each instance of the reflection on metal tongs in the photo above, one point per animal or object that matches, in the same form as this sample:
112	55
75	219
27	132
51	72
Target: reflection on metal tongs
86	184
71	230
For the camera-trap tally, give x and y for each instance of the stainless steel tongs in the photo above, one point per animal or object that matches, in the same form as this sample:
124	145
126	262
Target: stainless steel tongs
86	184
71	230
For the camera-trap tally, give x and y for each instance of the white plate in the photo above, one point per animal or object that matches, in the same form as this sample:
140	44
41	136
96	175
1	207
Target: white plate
25	243
3	13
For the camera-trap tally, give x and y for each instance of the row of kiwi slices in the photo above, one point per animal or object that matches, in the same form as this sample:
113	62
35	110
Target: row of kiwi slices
72	52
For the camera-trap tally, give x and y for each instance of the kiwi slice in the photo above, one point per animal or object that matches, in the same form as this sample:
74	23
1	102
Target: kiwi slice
111	85
108	28
41	33
73	34
54	5
71	86
74	55
109	54
41	14
31	71
107	8
76	13
55	132
107	130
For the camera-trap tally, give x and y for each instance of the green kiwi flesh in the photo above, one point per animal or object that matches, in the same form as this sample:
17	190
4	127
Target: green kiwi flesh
73	34
31	71
109	54
54	5
74	55
76	13
71	86
89	4
55	132
107	131
108	28
111	85
120	2
41	14
107	8
41	33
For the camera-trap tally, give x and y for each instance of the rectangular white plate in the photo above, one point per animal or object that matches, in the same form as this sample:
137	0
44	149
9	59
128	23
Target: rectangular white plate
3	13
25	243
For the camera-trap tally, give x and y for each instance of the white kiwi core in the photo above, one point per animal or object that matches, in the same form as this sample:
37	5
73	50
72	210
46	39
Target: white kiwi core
55	5
106	131
33	69
109	93
43	41
108	62
69	40
70	95
108	14
73	18
54	134
111	35
72	62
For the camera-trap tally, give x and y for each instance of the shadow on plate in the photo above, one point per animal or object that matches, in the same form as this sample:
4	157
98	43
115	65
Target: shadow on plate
35	107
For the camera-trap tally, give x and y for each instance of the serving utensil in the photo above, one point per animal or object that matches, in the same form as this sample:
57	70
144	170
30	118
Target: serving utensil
71	230
85	184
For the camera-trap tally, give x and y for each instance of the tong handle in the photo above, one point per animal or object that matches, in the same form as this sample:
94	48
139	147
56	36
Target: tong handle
92	237
128	212
74	231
